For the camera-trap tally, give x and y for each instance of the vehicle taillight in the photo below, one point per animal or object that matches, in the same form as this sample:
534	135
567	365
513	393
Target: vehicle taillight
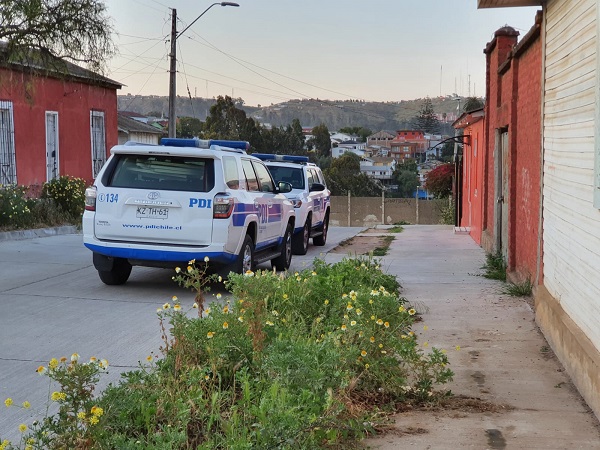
90	198
223	206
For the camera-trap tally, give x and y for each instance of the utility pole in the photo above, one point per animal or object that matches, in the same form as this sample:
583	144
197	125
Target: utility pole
173	74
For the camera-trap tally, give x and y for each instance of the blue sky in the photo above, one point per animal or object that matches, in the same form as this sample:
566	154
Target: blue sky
267	51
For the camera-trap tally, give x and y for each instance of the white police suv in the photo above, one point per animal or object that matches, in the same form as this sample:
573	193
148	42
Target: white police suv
164	205
309	194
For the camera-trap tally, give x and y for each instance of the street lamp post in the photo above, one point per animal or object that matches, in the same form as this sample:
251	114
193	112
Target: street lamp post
173	62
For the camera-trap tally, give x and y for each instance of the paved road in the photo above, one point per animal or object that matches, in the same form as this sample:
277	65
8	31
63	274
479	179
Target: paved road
53	304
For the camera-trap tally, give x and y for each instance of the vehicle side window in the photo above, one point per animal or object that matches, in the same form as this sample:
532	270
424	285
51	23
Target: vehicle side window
321	177
251	180
264	177
230	169
311	178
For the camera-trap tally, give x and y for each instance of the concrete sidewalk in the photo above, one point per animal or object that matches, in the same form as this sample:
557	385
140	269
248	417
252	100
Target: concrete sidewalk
503	358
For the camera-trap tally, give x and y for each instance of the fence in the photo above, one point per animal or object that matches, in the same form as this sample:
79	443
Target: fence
369	211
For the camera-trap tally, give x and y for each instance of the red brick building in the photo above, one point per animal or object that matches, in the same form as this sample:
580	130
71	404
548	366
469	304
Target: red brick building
56	119
510	163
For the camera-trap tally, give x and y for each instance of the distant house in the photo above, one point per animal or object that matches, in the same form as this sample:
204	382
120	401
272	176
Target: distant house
133	130
382	138
55	119
379	168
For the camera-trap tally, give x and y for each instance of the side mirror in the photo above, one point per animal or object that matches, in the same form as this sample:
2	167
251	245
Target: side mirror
283	187
317	187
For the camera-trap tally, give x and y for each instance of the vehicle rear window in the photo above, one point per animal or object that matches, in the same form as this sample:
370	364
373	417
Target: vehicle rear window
162	172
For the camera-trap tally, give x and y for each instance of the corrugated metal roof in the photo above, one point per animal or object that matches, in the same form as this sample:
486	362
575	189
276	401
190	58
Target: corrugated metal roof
131	125
51	66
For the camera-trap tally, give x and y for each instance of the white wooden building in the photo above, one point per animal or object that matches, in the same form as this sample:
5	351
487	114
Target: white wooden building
568	301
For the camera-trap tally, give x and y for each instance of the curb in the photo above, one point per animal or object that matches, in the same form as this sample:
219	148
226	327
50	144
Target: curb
18	235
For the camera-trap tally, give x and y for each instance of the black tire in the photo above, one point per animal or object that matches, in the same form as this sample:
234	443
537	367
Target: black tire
322	238
119	274
283	261
245	259
300	240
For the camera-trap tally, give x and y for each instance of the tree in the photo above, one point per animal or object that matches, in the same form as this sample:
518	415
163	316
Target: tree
75	30
427	121
406	176
226	121
189	127
362	132
345	176
321	140
472	103
439	181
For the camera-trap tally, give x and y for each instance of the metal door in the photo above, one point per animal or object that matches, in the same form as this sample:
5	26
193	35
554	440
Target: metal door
8	168
52	171
502	192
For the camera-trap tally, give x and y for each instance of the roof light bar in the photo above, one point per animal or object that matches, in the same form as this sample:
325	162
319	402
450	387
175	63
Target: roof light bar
287	158
204	143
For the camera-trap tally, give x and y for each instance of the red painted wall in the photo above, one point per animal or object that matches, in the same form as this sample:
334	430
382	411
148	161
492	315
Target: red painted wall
32	96
472	192
513	103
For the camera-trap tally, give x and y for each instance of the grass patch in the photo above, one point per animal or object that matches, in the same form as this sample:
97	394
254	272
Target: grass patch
518	289
495	267
383	249
396	229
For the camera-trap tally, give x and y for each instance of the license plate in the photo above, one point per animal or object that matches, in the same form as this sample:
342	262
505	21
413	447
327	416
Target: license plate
149	212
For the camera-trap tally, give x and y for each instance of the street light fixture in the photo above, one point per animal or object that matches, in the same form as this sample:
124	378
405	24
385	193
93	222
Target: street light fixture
173	61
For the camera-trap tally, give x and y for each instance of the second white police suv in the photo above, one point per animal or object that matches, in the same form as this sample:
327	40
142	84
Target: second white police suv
309	194
164	205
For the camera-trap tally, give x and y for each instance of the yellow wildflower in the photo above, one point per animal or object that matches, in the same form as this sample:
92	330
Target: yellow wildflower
8	402
363	353
379	322
402	308
226	309
41	370
158	310
241	319
81	415
326	302
63	359
53	364
285	296
177	307
26	405
425	344
358	312
149	358
189	269
219	295
386	324
177	269
94	420
210	334
55	396
372	338
353	323
268	322
22	428
367	366
372	317
249	273
380	346
412	311
206	259
207	311
166	306
225	325
344	327
195	305
349	307
174	298
97	411
457	347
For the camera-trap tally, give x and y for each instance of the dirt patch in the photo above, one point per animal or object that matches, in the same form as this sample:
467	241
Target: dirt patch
361	245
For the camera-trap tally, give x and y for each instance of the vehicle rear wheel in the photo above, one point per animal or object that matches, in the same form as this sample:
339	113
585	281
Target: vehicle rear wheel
283	261
300	240
322	238
119	274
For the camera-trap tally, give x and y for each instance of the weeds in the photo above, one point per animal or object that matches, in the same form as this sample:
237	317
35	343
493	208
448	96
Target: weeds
495	267
312	360
383	249
518	289
396	229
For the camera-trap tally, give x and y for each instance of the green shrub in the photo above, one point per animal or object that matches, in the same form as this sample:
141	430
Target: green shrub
68	193
518	289
15	209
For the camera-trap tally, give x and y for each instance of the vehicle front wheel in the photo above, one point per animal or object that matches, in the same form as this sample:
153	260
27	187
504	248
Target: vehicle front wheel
283	261
245	261
119	274
300	240
322	238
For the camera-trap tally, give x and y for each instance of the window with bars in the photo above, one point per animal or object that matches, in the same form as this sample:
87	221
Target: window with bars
8	167
98	141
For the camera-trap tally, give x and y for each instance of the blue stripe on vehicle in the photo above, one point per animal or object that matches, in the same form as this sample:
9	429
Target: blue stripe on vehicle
161	255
